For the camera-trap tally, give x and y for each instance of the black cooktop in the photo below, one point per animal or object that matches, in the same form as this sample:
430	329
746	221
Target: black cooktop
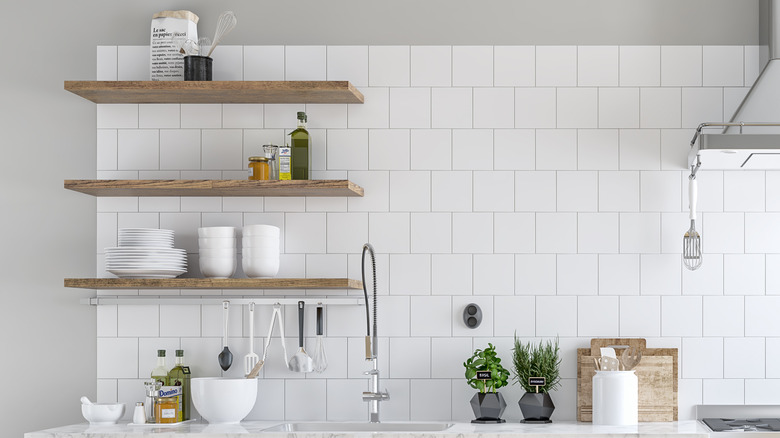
747	424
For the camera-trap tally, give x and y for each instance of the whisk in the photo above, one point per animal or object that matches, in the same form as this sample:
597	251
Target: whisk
225	23
692	239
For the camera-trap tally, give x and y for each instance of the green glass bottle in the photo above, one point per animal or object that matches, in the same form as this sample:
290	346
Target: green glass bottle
160	372
180	376
300	143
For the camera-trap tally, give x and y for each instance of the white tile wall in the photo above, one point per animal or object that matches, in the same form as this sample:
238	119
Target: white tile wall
546	184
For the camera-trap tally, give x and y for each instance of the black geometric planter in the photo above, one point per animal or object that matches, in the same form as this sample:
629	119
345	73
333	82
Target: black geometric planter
488	407
536	407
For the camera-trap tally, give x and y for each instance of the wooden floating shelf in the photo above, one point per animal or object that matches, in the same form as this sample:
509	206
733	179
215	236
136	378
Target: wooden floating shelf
216	91
209	187
213	283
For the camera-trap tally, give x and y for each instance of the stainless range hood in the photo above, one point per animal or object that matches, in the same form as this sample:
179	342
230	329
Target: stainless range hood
751	140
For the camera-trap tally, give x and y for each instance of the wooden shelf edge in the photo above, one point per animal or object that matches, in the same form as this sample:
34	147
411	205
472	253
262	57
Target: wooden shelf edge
213	283
120	188
216	91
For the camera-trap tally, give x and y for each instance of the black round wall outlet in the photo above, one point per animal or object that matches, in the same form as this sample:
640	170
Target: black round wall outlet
472	315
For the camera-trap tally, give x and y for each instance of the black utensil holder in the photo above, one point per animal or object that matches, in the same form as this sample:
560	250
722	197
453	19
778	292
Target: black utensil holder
197	68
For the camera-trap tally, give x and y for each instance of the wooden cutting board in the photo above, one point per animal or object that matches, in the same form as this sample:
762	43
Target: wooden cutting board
656	372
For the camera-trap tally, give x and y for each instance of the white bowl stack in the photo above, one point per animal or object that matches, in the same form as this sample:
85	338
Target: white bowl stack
260	251
217	247
146	253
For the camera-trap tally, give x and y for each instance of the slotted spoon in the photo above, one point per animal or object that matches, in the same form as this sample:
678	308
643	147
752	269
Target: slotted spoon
692	239
250	360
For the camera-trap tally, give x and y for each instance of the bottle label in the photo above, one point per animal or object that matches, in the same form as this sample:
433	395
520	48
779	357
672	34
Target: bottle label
185	370
170	391
168	413
285	161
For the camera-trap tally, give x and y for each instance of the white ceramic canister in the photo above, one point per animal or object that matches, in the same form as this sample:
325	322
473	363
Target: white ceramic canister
615	398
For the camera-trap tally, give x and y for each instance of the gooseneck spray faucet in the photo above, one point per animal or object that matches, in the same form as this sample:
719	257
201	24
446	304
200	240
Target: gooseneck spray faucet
374	396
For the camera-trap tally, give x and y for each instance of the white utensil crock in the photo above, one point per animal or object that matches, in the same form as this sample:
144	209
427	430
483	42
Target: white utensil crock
615	398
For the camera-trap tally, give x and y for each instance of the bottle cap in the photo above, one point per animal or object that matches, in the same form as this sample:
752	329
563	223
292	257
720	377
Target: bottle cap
179	353
160	353
139	403
302	116
258	158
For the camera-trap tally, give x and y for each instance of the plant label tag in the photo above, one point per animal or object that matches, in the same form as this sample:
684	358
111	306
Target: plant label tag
537	381
484	375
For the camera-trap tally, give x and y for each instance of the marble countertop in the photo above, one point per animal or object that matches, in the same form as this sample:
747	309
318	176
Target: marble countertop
566	429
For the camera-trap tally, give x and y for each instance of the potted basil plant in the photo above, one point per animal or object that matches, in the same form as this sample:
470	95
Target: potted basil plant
485	373
537	370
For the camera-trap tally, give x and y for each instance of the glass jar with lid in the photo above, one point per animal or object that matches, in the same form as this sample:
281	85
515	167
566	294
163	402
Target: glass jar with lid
269	151
258	168
166	409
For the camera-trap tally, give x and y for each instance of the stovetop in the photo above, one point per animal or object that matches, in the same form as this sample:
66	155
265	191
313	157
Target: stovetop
743	425
727	421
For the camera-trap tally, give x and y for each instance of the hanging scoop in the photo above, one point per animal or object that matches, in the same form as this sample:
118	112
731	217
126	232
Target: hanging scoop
300	362
225	357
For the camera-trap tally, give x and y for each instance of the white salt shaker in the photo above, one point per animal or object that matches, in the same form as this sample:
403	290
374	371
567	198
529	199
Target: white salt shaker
139	415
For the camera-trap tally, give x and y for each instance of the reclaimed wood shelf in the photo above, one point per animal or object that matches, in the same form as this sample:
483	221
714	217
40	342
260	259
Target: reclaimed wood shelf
210	187
213	283
216	91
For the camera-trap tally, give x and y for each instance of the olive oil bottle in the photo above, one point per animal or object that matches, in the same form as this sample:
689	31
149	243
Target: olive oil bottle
180	376
300	143
160	372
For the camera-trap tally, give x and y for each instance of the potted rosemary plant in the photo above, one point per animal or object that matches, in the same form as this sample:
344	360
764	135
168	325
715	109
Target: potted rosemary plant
485	373
537	370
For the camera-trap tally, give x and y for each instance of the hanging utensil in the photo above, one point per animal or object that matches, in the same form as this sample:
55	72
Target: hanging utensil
225	23
692	239
250	360
225	357
276	315
320	359
300	362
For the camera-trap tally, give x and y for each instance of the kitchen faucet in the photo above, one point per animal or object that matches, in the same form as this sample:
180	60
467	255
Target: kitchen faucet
374	396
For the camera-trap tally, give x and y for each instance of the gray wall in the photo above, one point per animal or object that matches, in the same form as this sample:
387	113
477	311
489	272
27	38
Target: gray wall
48	135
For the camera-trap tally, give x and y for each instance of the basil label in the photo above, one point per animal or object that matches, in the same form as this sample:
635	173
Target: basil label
537	381
484	375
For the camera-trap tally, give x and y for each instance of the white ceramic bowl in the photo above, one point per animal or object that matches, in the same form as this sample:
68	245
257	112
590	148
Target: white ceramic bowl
217	252
260	252
257	241
261	230
217	232
217	242
222	400
103	413
218	267
260	267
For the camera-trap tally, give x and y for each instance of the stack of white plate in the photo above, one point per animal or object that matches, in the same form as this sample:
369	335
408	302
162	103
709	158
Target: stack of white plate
151	237
146	253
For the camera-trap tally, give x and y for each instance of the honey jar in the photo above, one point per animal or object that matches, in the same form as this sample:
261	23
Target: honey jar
166	409
258	168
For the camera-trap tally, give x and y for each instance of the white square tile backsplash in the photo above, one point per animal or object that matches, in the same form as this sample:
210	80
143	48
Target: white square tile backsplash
547	184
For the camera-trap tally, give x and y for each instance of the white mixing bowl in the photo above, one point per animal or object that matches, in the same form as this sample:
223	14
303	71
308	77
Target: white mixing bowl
222	400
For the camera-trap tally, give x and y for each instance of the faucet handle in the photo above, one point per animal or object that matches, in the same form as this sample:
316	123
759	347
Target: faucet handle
371	372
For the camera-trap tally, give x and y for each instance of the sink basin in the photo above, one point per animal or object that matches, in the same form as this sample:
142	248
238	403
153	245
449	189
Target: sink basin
359	427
